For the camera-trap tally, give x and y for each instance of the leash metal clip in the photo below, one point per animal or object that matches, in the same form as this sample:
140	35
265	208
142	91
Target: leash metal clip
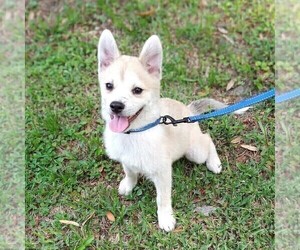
167	120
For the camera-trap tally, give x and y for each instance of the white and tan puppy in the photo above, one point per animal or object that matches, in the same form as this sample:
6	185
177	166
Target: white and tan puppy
130	90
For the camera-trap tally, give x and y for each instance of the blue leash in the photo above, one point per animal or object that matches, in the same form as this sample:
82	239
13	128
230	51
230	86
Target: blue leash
242	104
287	96
166	119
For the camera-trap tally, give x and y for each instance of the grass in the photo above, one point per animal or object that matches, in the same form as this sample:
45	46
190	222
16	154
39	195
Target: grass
68	175
287	127
12	71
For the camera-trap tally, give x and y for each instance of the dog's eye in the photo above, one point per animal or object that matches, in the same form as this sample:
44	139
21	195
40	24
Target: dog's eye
137	91
109	86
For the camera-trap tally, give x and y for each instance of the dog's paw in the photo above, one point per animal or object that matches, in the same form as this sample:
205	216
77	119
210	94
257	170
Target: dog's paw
214	165
166	221
126	186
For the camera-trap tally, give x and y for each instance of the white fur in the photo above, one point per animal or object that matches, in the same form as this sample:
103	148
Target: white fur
151	152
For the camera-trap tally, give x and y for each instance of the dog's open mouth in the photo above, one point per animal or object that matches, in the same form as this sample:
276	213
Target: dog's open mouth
119	124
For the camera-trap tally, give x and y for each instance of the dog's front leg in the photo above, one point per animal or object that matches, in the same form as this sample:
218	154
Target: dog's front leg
129	182
163	185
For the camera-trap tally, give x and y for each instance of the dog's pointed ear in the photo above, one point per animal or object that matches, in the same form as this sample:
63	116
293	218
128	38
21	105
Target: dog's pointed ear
151	56
107	50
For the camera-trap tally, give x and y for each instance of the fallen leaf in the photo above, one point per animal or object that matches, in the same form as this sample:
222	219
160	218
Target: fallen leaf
202	191
31	15
69	222
205	210
242	110
178	230
206	75
203	93
110	216
222	30
37	220
236	140
228	39
242	159
64	20
203	3
90	216
149	12
196	200
230	84
261	36
249	147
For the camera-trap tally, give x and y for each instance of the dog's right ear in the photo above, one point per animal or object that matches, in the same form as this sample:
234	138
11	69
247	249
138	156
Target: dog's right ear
107	50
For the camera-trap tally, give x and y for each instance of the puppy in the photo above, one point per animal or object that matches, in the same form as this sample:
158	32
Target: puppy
130	98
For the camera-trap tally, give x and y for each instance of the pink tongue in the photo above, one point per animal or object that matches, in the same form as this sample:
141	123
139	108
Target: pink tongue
118	123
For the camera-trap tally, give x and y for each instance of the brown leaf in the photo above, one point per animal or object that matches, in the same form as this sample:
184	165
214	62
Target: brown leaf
37	220
203	3
202	191
178	230
31	15
203	92
228	39
249	147
196	200
149	12
242	159
110	216
230	84
236	140
69	222
222	30
261	36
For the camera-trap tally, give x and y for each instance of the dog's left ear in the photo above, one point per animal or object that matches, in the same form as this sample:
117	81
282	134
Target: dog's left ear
151	56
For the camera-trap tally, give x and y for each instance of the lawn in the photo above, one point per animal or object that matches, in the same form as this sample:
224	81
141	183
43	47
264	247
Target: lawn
287	126
208	46
12	134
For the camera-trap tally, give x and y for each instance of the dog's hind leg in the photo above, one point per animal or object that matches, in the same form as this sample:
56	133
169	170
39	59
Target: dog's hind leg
129	182
202	150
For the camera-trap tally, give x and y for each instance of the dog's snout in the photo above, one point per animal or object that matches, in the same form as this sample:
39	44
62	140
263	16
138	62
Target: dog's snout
117	107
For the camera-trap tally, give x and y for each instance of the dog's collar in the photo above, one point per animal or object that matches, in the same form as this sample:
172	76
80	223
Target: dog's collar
148	126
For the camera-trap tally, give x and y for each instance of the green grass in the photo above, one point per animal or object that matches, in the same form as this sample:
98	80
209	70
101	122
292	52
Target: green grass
12	72
68	175
287	127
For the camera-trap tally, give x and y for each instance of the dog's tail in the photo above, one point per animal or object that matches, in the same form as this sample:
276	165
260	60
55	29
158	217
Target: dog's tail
207	104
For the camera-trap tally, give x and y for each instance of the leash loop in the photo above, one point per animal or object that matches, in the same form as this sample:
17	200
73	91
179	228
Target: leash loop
167	120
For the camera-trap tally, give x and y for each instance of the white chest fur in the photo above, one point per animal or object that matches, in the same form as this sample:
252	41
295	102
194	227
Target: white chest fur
141	152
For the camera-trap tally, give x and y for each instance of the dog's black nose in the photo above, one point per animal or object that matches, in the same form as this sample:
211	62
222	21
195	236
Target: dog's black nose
117	107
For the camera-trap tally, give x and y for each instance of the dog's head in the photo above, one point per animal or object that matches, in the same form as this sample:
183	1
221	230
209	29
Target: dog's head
129	85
